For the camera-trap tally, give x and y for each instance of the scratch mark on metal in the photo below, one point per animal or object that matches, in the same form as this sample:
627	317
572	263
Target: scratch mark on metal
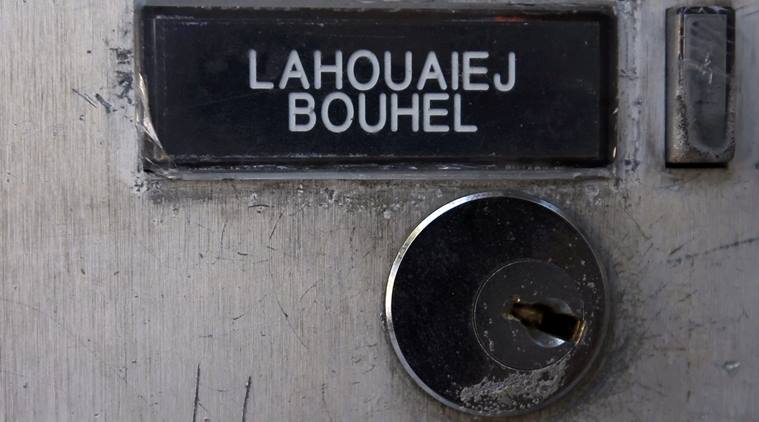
247	399
287	320
106	105
306	292
197	395
282	309
688	296
677	249
221	239
736	244
274	229
324	402
640	229
85	97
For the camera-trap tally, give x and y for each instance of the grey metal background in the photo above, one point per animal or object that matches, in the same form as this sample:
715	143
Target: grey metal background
128	299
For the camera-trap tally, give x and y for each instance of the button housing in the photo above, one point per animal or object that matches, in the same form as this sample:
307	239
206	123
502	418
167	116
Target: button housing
700	86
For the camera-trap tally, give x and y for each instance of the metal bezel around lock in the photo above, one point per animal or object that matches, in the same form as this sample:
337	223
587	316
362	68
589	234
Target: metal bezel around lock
587	359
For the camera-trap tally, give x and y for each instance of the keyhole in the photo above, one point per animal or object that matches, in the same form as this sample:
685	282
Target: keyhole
550	324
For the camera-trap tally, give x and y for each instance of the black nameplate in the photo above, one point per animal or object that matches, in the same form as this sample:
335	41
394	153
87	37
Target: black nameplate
321	88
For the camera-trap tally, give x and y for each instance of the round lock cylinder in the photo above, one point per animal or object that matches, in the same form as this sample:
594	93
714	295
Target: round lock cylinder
497	305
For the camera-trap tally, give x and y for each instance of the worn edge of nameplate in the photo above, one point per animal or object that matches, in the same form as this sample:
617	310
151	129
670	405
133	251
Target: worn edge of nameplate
603	334
156	164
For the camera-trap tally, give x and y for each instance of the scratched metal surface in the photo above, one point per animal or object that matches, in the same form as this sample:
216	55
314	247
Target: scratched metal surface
126	299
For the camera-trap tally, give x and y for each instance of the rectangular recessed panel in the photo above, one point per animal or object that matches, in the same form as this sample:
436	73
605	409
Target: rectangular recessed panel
325	88
700	86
